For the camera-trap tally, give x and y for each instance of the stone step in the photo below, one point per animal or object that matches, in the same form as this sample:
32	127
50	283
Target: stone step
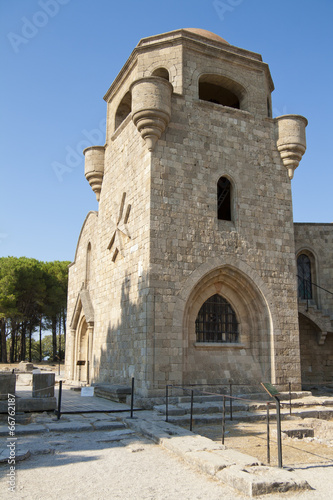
299	403
216	406
262	396
247	416
116	393
199	408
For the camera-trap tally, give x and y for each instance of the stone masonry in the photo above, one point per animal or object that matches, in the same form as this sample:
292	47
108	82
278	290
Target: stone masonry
187	114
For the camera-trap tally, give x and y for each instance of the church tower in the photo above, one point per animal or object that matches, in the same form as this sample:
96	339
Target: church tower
187	274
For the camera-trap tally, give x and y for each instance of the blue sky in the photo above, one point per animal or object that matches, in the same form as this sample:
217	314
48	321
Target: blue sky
58	59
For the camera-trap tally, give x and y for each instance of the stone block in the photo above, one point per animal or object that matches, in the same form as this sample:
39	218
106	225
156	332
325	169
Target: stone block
25	366
7	384
43	385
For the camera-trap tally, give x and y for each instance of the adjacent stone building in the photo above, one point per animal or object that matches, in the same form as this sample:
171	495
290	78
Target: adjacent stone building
187	273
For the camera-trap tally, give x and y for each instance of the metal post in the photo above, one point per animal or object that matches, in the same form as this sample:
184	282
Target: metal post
290	398
223	420
191	423
88	372
166	403
230	401
268	444
59	400
132	397
278	428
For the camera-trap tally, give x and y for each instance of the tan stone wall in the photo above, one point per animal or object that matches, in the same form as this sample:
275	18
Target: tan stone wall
316	317
317	240
77	275
204	142
120	326
316	360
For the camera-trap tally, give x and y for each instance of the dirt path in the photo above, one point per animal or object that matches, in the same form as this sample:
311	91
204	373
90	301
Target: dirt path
251	438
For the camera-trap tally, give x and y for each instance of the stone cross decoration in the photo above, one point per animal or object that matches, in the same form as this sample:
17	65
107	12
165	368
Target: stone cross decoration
120	230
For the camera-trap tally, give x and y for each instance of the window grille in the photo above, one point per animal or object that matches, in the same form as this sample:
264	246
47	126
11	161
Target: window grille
216	321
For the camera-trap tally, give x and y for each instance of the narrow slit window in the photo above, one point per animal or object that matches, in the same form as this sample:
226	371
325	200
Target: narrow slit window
224	199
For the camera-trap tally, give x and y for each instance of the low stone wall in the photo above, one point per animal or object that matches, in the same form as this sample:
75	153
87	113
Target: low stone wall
42	398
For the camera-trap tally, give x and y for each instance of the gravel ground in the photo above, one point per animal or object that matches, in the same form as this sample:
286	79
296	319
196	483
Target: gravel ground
95	465
92	465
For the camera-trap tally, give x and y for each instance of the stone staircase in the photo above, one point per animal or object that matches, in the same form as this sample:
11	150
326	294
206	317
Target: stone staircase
249	407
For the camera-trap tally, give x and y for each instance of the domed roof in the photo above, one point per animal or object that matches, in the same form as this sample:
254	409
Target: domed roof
207	34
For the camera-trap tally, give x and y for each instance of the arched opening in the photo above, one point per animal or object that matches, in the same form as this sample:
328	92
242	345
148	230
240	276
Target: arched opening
162	73
314	369
224	197
124	109
220	90
82	351
304	276
216	321
226	331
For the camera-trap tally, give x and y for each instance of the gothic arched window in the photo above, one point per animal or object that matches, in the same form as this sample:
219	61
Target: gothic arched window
304	277
224	199
216	321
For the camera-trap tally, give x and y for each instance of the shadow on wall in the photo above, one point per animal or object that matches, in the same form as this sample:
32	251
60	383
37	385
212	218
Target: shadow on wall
123	354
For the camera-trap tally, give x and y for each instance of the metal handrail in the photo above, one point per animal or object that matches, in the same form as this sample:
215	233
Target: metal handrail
315	284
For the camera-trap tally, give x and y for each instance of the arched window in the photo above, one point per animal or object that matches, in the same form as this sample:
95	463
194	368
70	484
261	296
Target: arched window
220	90
124	109
304	277
224	199
162	73
88	264
216	321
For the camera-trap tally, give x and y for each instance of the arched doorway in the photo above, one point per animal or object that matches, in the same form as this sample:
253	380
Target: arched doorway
84	341
82	351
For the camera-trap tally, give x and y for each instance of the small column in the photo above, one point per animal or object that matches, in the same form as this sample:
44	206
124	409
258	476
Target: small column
90	332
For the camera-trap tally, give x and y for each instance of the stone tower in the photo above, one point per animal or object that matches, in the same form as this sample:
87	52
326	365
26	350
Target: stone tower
187	274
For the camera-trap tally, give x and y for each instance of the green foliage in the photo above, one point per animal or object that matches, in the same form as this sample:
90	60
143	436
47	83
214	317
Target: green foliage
32	294
47	353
